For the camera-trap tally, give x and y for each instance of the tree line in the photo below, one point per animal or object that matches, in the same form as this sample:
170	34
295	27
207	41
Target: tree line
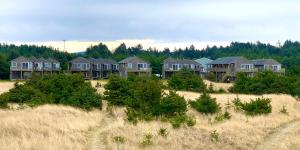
288	54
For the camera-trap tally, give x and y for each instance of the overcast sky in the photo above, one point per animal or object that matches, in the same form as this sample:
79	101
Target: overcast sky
157	21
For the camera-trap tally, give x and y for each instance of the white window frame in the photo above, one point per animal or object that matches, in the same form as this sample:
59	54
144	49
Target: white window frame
166	65
14	64
22	65
115	67
129	65
193	66
175	67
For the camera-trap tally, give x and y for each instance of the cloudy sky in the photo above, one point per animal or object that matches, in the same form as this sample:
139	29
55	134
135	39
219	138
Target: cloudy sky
159	23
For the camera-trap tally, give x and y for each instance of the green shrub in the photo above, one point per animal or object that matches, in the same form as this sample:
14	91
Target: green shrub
237	104
147	141
27	94
58	89
221	117
119	140
146	95
163	132
205	104
117	90
257	106
190	121
186	79
3	100
266	82
178	120
214	136
172	104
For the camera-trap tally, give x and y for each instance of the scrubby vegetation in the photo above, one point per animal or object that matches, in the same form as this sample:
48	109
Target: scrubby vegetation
254	107
266	82
186	79
144	99
55	89
205	104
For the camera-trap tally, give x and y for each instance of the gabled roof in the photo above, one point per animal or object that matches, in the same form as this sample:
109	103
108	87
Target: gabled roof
132	59
180	61
80	60
204	61
41	59
265	61
229	60
21	59
52	60
102	61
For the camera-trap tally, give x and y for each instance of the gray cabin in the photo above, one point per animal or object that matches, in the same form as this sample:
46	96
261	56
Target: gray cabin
205	63
268	64
171	65
22	67
134	65
226	68
92	68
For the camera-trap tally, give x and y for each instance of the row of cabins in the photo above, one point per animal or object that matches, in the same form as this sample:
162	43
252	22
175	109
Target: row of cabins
22	68
223	69
101	68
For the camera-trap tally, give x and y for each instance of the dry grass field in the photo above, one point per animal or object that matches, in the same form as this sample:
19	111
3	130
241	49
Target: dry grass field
61	127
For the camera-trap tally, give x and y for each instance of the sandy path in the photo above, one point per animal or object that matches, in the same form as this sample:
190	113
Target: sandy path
275	140
98	137
5	86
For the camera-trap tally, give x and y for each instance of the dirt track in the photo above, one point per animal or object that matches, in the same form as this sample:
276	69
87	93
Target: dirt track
275	140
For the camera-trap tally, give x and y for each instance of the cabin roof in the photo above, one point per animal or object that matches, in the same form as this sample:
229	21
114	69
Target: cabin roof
180	61
132	59
229	60
265	61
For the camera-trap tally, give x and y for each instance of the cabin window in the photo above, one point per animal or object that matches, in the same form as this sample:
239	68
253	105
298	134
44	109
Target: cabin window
166	65
38	65
85	66
97	66
129	65
275	67
25	65
142	66
247	66
106	66
56	65
175	66
13	64
192	66
115	67
47	65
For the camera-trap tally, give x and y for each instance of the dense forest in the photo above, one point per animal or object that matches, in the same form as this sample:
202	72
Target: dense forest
288	54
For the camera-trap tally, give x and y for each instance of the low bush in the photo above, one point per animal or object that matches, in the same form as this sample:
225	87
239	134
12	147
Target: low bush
163	132
205	104
172	104
254	107
266	82
186	79
214	136
4	100
178	120
144	99
58	89
117	90
147	141
190	121
221	117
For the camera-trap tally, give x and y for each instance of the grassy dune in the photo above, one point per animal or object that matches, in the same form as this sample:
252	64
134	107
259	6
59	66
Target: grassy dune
61	127
46	127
